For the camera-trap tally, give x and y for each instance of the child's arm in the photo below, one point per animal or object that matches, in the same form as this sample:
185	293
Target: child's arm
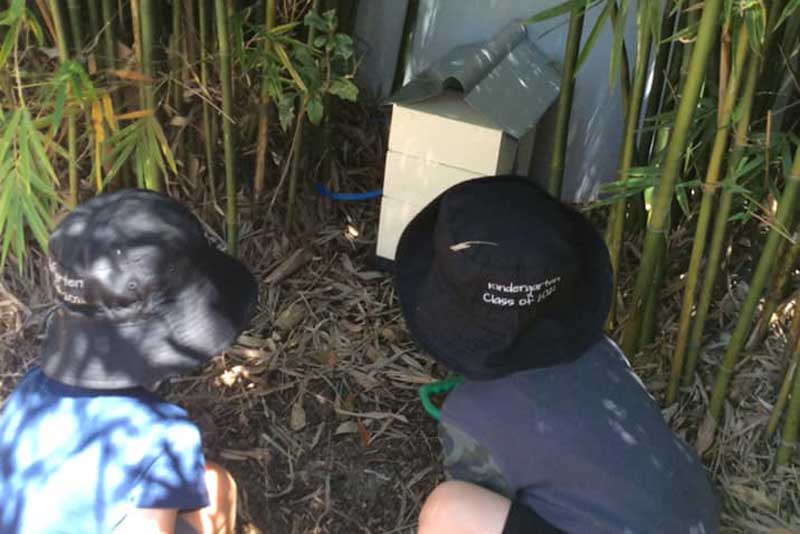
467	460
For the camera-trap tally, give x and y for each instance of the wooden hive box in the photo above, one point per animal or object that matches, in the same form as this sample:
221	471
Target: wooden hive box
440	136
434	145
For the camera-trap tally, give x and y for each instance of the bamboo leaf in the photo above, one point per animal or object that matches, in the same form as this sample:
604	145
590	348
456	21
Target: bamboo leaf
282	29
591	40
756	21
284	57
5	195
34	27
619	24
8	44
119	161
560	9
8	235
135	115
58	109
162	141
10	132
688	33
35	222
791	7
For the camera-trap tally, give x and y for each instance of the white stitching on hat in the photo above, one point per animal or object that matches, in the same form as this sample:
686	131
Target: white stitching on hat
69	289
464	245
507	295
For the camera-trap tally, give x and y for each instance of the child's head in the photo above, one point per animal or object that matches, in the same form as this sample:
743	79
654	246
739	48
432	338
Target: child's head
142	294
495	276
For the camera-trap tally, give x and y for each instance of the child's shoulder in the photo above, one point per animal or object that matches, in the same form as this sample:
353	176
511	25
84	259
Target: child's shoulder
36	393
601	370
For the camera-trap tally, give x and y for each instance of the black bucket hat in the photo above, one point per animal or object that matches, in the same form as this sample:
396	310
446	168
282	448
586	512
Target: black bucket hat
495	276
142	294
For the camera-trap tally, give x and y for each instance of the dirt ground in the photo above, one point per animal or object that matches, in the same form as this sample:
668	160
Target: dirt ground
315	409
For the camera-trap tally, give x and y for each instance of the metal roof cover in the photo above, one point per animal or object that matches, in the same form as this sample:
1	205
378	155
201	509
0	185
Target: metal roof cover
506	78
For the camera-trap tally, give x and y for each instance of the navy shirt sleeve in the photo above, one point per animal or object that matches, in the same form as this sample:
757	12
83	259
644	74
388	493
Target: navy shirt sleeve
175	478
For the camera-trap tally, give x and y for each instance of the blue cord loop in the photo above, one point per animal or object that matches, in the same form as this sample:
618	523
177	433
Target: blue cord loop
323	190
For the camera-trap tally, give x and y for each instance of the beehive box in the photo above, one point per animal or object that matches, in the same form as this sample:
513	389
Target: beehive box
436	144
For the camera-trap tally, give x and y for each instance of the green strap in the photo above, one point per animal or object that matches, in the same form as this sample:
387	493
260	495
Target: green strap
437	388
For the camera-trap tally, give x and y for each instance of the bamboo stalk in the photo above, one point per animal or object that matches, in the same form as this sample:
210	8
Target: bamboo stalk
655	98
770	79
72	134
651	308
650	313
790	427
783	398
656	228
136	29
108	33
794	353
297	140
786	208
625	67
227	111
175	51
74	9
710	187
147	36
94	17
568	75
207	138
720	222
109	62
263	119
190	36
616	224
148	90
775	294
301	115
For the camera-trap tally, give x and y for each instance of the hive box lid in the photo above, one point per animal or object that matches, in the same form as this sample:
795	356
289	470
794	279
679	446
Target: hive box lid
506	79
445	129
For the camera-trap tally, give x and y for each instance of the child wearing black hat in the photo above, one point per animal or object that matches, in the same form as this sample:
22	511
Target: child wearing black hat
551	431
84	445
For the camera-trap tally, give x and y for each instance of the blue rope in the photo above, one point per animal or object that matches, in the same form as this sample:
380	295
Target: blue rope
346	197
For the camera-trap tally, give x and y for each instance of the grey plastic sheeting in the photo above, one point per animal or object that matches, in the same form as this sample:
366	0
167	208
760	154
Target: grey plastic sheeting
505	78
595	131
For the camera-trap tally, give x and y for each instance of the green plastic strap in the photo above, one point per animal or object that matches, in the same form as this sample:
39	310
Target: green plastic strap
437	388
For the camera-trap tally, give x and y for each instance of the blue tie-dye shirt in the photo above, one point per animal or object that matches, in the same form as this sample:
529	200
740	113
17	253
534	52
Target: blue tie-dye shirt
78	461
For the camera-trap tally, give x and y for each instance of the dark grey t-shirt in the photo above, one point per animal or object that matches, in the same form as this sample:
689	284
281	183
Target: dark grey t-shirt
582	444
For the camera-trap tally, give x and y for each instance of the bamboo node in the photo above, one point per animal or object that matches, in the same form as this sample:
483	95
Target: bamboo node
711	188
795	177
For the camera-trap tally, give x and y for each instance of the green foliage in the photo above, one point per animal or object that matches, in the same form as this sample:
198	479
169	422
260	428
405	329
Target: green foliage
16	18
72	80
143	139
294	71
27	184
50	104
324	67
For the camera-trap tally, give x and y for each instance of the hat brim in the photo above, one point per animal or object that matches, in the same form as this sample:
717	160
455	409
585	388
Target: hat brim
465	342
203	319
